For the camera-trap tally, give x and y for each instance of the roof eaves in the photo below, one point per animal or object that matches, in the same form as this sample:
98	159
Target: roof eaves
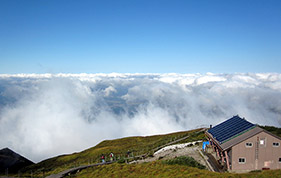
214	139
272	134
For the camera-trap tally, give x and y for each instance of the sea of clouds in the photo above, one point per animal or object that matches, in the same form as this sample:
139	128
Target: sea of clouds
44	115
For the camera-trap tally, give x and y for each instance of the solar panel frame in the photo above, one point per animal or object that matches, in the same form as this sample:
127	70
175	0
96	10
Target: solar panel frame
230	128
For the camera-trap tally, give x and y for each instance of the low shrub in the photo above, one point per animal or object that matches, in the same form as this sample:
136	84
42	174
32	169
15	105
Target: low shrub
185	160
121	160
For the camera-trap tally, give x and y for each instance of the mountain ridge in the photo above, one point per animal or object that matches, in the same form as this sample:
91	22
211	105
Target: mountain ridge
12	162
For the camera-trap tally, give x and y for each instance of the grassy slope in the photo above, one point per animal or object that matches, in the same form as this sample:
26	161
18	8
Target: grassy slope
158	169
137	145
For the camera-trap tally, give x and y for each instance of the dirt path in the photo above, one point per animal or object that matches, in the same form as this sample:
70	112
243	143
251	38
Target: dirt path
74	170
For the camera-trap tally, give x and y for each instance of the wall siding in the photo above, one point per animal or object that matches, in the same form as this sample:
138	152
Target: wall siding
267	155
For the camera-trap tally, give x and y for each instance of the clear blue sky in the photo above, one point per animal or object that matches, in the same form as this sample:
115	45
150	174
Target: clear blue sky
158	36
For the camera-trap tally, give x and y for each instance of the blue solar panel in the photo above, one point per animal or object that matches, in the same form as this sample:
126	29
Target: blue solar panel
230	128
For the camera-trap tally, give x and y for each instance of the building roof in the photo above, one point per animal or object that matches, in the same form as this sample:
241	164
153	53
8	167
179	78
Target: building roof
230	128
233	131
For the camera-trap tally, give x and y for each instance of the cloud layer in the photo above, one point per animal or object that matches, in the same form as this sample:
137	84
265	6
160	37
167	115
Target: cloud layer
43	115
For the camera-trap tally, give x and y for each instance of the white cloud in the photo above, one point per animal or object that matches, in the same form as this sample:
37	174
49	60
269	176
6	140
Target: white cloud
109	90
43	115
209	78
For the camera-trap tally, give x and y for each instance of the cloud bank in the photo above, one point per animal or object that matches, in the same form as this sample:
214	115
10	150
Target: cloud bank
43	115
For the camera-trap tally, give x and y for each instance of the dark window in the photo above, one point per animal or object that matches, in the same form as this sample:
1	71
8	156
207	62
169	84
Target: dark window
279	160
275	144
249	144
241	160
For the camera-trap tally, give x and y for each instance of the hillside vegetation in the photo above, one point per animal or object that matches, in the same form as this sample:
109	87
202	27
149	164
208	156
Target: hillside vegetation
274	130
137	146
158	169
184	160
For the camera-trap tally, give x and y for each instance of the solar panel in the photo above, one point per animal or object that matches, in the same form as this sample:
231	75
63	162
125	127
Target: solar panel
229	128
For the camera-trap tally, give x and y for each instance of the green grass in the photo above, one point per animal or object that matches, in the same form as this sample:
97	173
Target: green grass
184	160
159	169
136	145
274	130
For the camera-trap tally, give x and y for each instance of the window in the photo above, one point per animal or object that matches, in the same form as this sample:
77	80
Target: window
249	144
242	160
275	144
262	142
279	160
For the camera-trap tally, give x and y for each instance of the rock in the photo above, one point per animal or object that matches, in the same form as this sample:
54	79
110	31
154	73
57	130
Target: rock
11	162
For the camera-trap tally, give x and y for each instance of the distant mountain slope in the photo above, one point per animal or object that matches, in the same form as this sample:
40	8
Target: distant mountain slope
12	162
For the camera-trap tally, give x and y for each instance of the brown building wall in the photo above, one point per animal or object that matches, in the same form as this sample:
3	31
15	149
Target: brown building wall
258	156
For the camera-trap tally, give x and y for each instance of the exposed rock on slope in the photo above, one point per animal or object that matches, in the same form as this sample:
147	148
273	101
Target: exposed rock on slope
12	162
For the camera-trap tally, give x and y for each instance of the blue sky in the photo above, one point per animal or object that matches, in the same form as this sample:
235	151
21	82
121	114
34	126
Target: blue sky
140	36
